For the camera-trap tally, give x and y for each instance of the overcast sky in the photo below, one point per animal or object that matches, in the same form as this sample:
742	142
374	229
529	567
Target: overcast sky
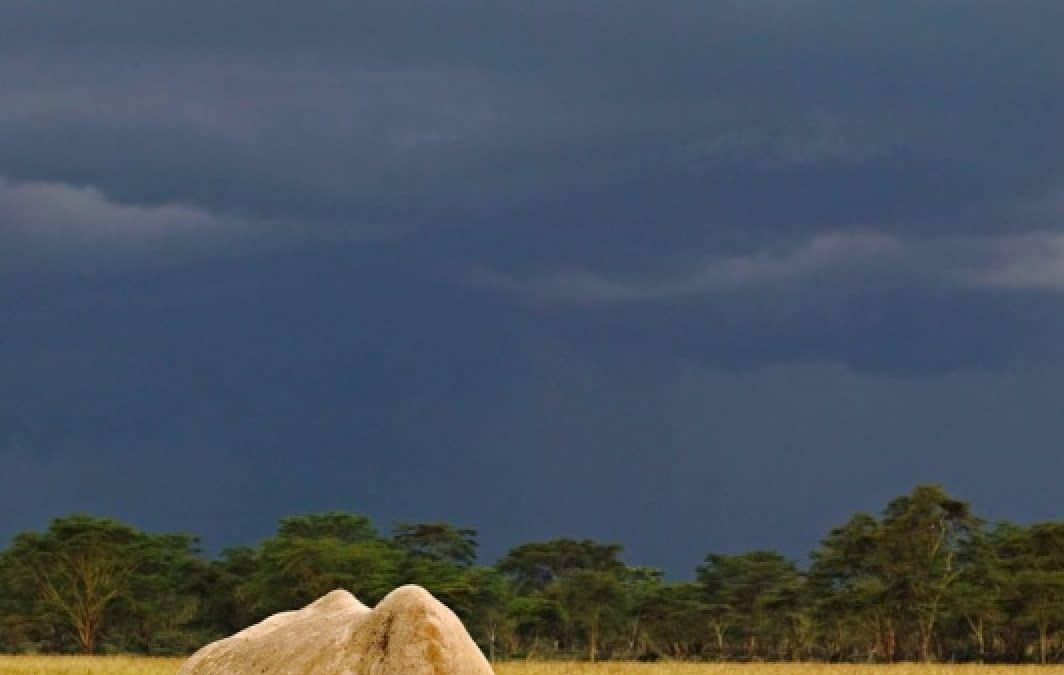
691	276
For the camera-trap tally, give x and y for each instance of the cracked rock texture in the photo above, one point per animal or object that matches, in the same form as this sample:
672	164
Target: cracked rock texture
408	633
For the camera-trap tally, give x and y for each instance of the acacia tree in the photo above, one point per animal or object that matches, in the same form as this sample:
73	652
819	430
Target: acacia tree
81	585
534	565
316	553
674	619
923	533
440	557
896	571
1033	558
750	586
594	599
534	618
853	607
788	604
641	585
488	620
580	578
226	593
74	572
86	577
164	611
438	541
976	596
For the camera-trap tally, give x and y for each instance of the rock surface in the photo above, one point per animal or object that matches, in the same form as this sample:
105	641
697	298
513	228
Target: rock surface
408	633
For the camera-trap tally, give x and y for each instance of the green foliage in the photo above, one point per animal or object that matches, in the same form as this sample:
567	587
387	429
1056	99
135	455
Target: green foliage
673	621
1032	585
748	595
925	579
88	582
314	554
883	586
535	565
441	542
347	528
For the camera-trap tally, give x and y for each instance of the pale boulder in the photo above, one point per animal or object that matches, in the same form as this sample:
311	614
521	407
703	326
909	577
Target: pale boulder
408	633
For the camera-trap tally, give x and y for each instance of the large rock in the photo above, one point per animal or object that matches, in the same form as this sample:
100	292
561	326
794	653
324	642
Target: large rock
408	633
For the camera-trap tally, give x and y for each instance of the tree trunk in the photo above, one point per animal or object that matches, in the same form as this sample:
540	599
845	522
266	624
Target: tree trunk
927	634
633	640
718	630
491	643
87	636
592	638
976	626
1043	642
892	642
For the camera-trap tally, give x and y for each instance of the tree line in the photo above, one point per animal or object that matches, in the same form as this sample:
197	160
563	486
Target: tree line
925	579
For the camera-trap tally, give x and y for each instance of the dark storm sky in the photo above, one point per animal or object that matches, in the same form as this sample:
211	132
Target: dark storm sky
692	276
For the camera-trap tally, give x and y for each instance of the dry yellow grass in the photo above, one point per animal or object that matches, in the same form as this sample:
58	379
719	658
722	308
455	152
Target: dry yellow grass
86	665
130	665
608	668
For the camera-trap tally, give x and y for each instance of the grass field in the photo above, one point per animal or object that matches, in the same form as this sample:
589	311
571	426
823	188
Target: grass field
120	665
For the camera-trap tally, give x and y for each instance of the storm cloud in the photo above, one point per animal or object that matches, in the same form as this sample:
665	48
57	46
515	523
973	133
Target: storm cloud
572	251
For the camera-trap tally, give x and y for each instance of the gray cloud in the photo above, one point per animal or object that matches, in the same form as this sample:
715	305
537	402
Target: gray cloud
822	254
860	260
57	230
69	215
415	115
1034	261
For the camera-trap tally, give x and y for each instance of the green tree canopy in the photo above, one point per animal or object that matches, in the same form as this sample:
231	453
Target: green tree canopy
438	541
536	564
86	578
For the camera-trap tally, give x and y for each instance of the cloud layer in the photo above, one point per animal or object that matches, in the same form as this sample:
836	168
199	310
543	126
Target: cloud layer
64	213
743	119
860	261
622	263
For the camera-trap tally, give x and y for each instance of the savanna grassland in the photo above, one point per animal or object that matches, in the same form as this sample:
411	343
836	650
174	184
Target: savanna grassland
133	665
